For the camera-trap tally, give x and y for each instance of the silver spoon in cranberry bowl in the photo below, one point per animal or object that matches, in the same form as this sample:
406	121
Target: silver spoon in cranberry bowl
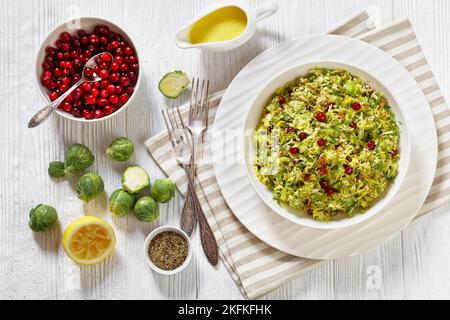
90	74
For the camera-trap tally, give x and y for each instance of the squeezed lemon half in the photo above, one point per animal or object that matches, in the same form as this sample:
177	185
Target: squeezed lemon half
89	240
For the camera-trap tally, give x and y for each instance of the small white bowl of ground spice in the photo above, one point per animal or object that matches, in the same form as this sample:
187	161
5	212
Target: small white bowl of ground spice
167	250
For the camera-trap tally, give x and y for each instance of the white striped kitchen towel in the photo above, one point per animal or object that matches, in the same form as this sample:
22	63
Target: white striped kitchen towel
240	251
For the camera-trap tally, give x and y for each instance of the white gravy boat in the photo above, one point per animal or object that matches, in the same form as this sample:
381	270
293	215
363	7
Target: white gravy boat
253	16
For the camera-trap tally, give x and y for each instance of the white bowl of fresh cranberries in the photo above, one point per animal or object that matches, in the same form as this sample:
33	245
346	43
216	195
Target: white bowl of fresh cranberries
60	61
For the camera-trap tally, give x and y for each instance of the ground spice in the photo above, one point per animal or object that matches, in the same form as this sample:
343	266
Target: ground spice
168	250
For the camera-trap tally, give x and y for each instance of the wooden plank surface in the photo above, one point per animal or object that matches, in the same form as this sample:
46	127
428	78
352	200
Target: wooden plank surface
414	264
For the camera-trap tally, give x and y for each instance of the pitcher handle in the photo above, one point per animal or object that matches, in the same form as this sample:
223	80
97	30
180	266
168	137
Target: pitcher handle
266	10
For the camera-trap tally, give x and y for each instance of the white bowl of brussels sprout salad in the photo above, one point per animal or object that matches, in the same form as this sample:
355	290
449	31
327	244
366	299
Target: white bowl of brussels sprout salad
62	56
329	147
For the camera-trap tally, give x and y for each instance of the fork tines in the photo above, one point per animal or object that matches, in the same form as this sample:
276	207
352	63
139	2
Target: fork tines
175	126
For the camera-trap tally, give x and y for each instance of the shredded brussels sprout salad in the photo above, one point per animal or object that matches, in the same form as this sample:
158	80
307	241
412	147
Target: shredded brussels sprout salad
327	145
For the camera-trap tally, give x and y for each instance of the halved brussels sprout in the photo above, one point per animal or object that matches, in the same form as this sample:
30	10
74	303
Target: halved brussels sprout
42	218
146	209
121	149
163	190
56	169
121	202
89	186
78	157
135	179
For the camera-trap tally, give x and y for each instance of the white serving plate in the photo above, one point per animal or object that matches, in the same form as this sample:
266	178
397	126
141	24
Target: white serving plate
254	115
282	233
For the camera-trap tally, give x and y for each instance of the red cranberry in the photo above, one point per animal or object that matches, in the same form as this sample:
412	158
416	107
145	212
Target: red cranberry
104	94
132	59
66	47
353	125
118	89
124	81
102	102
323	170
96	84
76	103
94	39
115	66
86	86
110	88
53	96
87	114
290	129
321	142
95	92
104	74
321	116
91	99
57	72
49	50
114	45
329	191
303	136
294	150
113	99
324	183
109	109
47	74
76	112
129	90
393	152
124	67
103	41
118	51
65	36
63	87
106	58
114	77
348	170
69	98
67	106
127	51
124	98
66	80
134	67
356	106
76	78
105	83
88	72
371	145
99	114
282	99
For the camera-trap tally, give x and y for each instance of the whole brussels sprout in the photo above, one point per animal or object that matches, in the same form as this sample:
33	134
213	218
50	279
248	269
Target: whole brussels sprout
42	218
121	202
89	186
78	157
56	169
121	149
146	209
163	190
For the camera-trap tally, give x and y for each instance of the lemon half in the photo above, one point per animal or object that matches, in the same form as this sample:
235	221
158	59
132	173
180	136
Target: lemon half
89	240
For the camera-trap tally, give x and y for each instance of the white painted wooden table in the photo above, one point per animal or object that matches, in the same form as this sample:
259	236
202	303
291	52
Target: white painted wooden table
414	264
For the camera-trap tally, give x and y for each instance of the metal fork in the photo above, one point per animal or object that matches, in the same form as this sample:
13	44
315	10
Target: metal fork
182	152
192	210
198	122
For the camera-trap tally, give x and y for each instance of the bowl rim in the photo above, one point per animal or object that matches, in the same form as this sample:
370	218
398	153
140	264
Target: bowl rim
46	42
150	262
346	222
